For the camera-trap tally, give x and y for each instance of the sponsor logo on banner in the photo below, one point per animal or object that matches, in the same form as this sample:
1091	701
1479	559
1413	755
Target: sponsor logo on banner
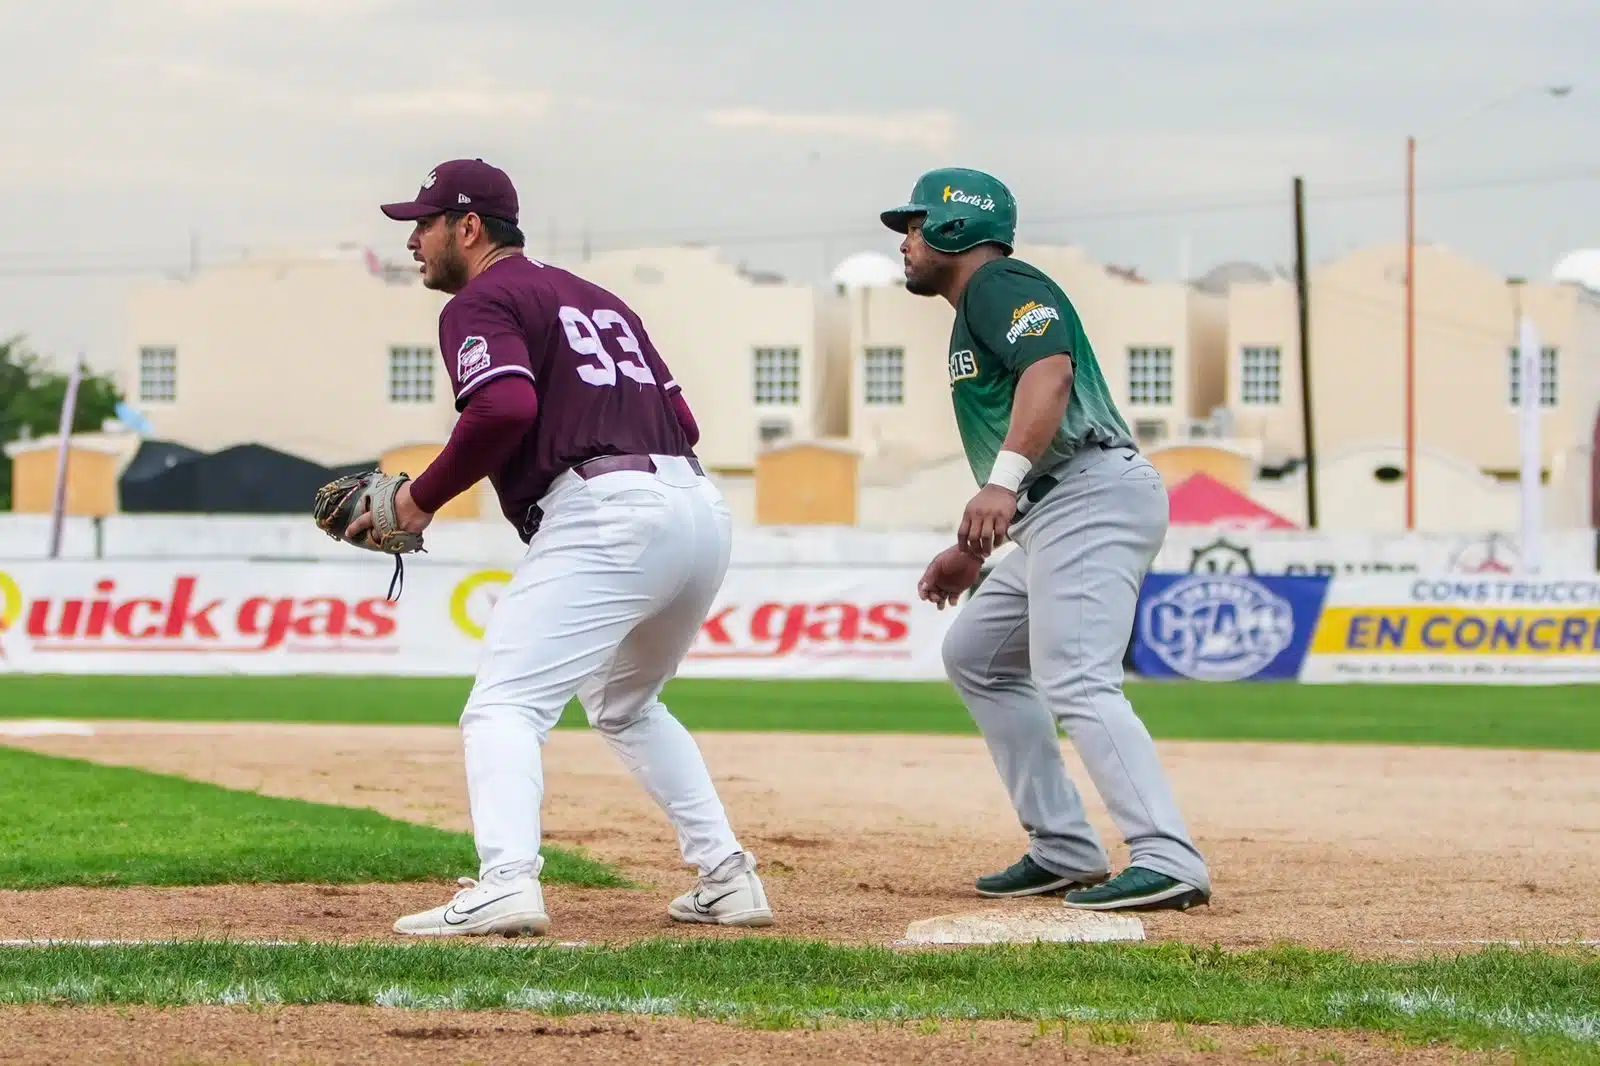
474	598
740	627
1223	556
776	630
10	608
187	616
1459	628
1217	628
1492	555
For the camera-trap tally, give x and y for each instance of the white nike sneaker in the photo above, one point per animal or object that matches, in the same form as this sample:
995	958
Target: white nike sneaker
731	894
509	902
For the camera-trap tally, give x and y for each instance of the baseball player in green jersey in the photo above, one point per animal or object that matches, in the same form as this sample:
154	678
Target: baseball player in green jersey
1040	643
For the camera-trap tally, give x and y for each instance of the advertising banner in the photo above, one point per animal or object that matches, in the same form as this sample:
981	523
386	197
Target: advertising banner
1208	551
1486	630
1225	627
162	617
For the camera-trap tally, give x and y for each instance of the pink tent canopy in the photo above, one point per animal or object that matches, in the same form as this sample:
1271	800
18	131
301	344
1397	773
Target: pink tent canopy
1202	500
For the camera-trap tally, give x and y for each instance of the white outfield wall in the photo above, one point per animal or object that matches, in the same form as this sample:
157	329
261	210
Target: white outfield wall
218	537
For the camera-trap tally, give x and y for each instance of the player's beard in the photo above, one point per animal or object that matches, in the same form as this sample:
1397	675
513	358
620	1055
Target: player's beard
449	270
927	279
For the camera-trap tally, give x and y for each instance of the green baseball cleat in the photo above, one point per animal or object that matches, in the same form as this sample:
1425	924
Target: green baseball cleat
1137	889
1027	878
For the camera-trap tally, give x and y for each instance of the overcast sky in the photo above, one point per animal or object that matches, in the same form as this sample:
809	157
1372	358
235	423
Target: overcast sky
1159	135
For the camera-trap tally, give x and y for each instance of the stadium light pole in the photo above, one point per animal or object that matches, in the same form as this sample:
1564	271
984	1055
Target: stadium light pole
1556	91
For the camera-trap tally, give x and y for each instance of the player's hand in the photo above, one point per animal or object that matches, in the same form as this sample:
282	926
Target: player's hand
411	518
986	520
951	573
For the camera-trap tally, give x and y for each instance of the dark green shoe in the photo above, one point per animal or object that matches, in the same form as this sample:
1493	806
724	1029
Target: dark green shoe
1136	889
1027	878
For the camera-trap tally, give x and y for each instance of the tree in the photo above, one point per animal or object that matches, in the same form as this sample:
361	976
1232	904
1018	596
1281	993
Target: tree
31	395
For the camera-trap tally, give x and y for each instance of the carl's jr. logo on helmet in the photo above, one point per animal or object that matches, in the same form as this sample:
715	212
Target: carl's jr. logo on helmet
1031	320
981	202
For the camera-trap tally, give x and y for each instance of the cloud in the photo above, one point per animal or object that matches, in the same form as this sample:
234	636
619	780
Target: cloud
930	129
454	103
319	8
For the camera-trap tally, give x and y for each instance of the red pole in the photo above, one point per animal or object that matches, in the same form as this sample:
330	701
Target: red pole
1411	334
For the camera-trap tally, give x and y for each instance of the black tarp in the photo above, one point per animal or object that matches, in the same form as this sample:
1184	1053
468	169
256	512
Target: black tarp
244	479
153	458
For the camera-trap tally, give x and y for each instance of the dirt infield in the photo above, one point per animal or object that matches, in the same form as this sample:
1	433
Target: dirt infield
371	1035
1375	850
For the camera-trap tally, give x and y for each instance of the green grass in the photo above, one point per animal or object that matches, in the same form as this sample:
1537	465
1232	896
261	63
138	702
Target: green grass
66	822
1550	717
1545	1005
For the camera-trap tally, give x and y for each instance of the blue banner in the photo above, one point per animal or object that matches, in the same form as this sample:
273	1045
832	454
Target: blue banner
1226	627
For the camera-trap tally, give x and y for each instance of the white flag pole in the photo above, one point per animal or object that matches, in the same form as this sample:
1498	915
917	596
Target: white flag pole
69	407
1532	489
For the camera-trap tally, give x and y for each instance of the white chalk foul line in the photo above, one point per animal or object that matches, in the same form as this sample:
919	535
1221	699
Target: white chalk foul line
44	727
1492	943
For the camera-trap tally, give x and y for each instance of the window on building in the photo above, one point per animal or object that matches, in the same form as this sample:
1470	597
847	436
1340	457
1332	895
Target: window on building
772	429
777	377
884	372
1150	377
1150	431
1549	381
410	375
1261	377
158	375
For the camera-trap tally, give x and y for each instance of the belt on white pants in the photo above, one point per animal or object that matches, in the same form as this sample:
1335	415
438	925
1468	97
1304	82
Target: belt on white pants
606	464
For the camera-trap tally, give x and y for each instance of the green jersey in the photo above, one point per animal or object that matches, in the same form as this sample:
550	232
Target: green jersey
1010	317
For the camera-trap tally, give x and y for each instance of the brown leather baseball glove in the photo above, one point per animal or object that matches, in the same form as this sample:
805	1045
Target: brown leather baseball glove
340	501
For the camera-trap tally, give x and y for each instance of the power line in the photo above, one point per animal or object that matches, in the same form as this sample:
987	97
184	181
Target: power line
1160	207
1128	210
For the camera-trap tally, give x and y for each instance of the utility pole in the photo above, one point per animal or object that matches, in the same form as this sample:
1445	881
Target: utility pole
1411	334
1303	300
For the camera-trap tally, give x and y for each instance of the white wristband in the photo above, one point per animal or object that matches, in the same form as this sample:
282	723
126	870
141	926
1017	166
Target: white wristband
1009	469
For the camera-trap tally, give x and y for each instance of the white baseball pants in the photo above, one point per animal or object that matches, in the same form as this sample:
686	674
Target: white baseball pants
611	594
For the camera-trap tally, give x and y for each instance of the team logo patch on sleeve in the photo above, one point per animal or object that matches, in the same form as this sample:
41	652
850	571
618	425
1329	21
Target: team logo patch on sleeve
471	358
963	365
1031	320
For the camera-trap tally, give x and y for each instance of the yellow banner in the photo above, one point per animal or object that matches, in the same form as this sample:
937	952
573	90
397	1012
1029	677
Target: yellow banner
1434	630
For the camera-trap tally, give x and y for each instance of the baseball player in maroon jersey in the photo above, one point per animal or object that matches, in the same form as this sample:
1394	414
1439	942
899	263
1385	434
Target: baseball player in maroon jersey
571	413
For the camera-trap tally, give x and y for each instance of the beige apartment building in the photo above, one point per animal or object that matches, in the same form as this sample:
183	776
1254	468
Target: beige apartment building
327	357
1467	391
334	358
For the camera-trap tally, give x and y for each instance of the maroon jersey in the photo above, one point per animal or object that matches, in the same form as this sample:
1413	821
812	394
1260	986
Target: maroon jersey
603	388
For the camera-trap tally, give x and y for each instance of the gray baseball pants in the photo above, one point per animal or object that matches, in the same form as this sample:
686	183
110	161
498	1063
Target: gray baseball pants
1040	644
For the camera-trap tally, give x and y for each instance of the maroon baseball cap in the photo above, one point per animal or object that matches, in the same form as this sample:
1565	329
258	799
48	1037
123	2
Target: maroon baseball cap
460	185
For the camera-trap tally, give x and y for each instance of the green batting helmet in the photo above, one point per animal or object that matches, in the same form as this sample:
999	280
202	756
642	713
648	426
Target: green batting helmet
961	209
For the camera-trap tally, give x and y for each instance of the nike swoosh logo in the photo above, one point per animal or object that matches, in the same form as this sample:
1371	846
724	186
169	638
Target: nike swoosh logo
705	907
466	915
